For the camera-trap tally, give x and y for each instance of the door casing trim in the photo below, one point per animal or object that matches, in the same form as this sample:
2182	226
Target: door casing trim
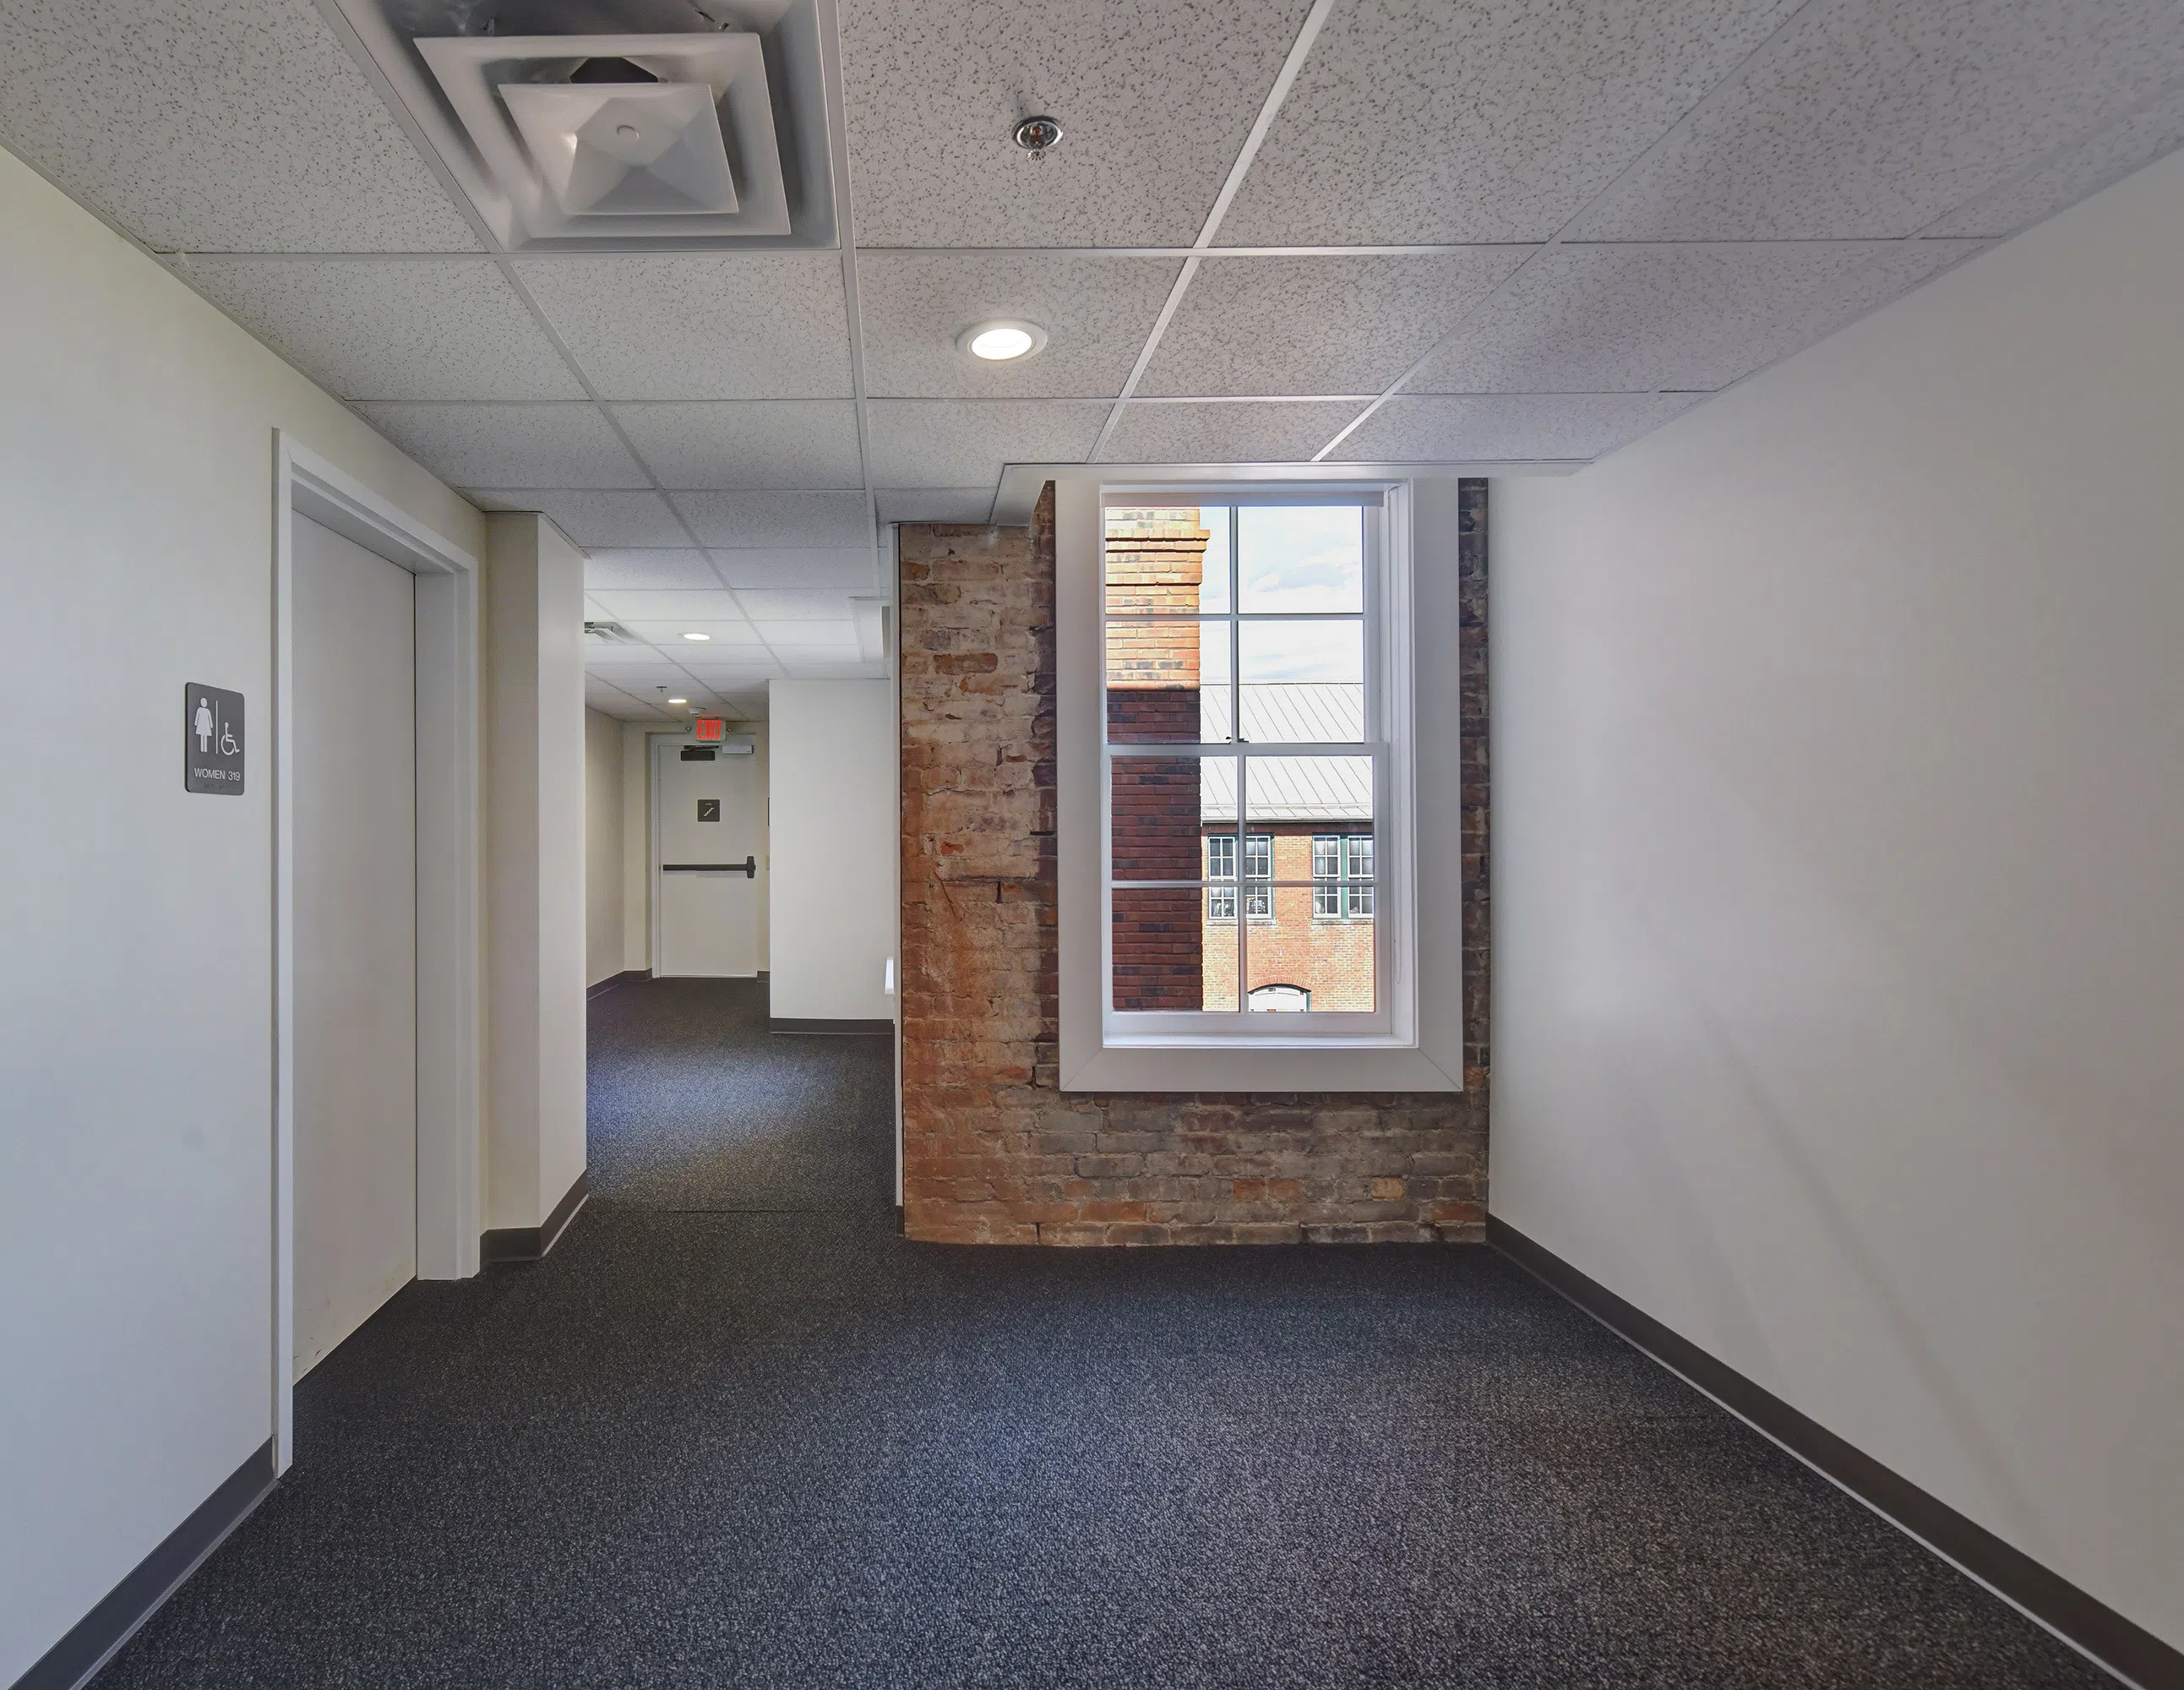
449	927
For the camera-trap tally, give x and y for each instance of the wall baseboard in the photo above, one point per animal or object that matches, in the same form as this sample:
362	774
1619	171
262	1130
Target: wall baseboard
798	1023
94	1638
2124	1647
611	981
502	1245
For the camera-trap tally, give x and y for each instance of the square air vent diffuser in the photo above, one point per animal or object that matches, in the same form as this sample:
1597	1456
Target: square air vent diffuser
620	135
614	126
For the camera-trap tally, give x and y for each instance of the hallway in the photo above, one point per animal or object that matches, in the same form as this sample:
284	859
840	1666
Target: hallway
735	1430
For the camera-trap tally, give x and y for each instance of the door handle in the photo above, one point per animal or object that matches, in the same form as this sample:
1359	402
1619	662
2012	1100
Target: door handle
748	865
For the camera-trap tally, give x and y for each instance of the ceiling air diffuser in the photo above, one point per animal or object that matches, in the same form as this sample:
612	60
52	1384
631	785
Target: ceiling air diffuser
620	136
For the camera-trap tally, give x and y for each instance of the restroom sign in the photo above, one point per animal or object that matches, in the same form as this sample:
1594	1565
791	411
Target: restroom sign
709	730
212	740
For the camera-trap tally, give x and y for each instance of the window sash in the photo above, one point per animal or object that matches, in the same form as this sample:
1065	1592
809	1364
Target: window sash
1219	891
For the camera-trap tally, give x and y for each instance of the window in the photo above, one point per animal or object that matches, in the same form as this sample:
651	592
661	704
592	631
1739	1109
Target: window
1258	869
1248	736
1342	876
1240	661
1221	865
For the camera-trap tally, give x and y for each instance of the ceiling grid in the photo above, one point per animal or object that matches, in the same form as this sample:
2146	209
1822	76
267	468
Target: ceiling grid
1521	231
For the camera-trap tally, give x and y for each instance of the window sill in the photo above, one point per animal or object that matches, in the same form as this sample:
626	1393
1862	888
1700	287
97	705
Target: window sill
1320	1064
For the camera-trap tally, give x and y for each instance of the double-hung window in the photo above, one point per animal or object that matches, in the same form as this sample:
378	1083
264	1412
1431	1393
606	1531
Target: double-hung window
1254	722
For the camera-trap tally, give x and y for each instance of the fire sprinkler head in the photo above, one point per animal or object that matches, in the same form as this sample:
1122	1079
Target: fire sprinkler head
1037	134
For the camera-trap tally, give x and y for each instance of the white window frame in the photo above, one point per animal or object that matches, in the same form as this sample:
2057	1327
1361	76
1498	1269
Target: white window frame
1416	1042
1384	736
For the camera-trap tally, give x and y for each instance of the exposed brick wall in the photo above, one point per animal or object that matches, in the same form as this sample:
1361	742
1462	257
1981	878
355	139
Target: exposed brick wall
993	1151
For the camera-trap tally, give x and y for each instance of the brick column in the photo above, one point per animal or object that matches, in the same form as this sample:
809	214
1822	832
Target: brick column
993	1151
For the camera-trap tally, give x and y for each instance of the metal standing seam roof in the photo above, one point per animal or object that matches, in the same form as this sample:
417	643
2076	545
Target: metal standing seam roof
1299	789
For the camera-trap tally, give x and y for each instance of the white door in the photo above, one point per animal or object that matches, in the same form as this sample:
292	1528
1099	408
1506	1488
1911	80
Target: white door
355	936
707	833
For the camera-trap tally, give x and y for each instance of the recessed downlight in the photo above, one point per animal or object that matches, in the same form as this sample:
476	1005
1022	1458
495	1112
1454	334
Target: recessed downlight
1003	342
697	636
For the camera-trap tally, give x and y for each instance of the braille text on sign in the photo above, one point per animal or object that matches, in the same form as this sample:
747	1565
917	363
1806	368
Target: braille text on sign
212	740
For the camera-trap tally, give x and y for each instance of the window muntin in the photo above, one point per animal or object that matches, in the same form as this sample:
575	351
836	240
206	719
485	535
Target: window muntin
1279	693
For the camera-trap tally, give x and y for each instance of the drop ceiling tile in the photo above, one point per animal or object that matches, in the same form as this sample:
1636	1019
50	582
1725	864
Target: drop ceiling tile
606	520
225	125
1245	432
431	329
1323	325
854	570
743	326
1419	121
2082	168
1096	312
735	676
954	443
748	443
1871	118
936	503
1606	319
776	604
668	634
789	641
821	519
605	571
545	446
615	667
1504	426
700	607
802	668
1155	99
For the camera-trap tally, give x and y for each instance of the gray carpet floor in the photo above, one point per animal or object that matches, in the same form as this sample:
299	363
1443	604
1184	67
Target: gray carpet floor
736	1431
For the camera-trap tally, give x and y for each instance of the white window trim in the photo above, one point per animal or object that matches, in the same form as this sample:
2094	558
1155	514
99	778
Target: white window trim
1424	1053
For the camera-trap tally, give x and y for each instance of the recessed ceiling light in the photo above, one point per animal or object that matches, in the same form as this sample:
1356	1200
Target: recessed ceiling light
678	700
697	636
998	342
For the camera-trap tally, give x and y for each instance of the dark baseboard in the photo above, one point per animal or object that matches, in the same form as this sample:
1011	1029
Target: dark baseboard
96	1637
797	1024
611	981
2125	1647
504	1245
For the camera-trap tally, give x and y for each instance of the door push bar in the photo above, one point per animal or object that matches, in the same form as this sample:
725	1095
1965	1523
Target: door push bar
747	866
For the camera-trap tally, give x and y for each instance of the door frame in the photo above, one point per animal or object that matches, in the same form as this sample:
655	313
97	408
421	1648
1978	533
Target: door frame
656	752
449	930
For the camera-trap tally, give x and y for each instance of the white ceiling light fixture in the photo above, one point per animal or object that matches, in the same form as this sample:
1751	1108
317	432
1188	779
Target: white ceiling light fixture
1002	341
678	700
698	636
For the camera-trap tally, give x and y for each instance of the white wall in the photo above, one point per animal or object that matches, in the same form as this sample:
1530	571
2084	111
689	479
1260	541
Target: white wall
603	830
1838	754
135	977
535	828
635	846
835	831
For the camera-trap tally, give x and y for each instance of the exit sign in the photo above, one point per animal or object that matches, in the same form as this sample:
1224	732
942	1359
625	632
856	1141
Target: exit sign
709	730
